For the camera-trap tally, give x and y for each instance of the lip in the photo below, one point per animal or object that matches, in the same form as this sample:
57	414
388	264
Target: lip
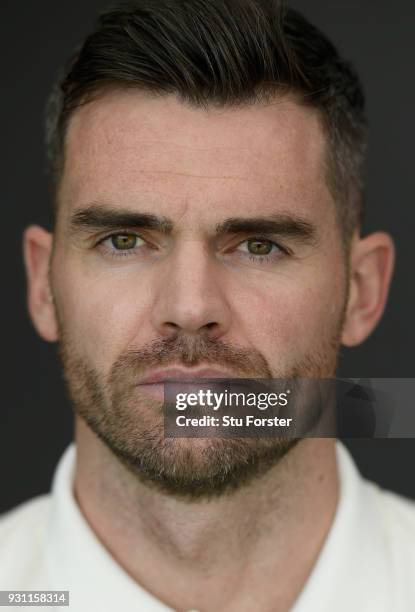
180	374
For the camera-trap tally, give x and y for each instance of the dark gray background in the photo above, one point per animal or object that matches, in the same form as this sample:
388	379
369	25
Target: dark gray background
35	417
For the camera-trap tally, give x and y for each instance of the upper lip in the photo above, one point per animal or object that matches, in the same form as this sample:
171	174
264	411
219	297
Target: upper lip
179	374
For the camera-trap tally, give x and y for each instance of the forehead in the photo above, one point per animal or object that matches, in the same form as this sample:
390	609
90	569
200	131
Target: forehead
127	146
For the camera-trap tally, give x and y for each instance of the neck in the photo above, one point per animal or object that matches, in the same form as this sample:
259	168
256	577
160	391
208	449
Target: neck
252	549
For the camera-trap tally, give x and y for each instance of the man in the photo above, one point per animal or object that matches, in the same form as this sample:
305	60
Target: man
206	160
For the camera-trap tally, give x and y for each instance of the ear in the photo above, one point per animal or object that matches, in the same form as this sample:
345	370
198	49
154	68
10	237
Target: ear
37	251
372	261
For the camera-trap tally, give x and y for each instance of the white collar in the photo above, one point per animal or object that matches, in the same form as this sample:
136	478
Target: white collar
79	562
351	573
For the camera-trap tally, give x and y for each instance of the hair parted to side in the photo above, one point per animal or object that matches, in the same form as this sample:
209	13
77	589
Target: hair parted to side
221	53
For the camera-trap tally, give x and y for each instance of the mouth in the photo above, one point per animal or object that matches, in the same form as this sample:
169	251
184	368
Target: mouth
152	385
184	375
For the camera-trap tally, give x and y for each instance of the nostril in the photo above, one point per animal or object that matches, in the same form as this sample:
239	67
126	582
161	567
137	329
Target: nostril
171	325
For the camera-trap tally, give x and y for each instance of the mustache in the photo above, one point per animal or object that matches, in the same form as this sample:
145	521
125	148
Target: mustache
191	351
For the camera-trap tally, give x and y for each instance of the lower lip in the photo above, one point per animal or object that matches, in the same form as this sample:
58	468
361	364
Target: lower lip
153	390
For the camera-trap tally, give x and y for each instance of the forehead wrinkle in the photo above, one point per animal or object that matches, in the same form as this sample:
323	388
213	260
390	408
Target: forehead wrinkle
198	176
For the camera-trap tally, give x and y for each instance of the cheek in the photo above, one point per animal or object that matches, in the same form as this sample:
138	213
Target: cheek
101	317
290	316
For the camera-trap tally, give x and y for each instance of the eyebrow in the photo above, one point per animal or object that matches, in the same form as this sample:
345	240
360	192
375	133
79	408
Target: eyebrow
101	217
280	223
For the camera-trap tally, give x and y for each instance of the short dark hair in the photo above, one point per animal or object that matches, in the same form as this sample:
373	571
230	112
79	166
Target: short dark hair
221	53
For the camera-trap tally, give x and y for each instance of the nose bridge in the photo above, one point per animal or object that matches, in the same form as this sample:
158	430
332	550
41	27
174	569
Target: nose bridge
192	268
190	295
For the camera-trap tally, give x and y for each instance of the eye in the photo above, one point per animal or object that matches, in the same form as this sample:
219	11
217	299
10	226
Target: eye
123	242
259	248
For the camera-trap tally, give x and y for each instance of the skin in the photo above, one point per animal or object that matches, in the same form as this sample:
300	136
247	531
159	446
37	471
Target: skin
199	167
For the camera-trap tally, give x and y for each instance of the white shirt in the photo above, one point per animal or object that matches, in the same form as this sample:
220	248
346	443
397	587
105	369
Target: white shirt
367	563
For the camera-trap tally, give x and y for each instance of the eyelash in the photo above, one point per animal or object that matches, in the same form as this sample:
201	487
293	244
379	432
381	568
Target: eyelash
112	252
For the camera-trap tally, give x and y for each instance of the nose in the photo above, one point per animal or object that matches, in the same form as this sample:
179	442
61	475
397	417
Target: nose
191	295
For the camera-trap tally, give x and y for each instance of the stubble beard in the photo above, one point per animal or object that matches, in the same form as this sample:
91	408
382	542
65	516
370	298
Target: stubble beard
131	425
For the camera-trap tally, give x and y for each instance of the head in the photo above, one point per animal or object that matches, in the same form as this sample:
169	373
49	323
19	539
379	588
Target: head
206	170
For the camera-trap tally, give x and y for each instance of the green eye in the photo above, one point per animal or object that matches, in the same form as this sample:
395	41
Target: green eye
123	242
260	247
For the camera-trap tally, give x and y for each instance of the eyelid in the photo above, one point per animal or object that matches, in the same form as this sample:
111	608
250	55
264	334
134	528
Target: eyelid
266	239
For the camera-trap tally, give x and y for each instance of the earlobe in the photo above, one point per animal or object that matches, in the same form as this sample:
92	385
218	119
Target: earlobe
37	250
371	266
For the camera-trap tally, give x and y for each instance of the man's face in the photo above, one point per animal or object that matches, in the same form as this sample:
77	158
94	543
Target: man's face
263	296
